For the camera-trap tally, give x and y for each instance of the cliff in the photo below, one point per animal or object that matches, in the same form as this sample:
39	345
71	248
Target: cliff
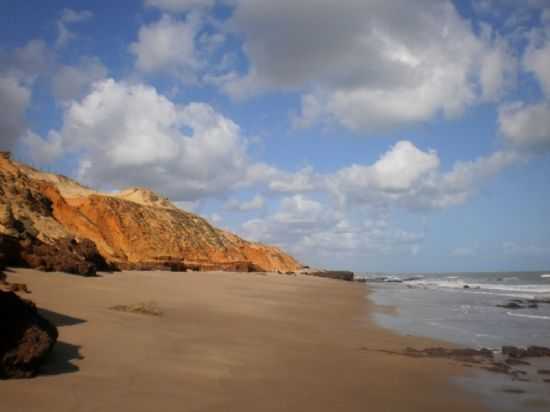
133	229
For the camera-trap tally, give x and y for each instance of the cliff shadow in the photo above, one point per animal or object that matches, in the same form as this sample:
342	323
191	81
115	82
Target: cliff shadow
60	359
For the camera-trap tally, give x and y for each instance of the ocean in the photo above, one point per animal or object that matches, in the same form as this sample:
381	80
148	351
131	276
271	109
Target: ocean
475	310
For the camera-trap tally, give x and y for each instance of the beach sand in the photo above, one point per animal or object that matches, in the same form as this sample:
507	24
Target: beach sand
225	342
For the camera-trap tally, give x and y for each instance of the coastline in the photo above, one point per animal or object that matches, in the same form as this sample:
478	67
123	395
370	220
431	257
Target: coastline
225	341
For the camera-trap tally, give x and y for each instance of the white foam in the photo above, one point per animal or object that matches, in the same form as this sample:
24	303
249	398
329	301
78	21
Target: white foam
522	315
545	276
496	287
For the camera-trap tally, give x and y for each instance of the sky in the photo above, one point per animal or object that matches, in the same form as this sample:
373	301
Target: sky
370	135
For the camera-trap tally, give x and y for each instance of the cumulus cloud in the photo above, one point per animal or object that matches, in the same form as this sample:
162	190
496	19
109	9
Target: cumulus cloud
130	135
179	6
308	227
14	100
168	45
72	82
526	126
69	17
410	178
257	202
369	65
19	69
537	61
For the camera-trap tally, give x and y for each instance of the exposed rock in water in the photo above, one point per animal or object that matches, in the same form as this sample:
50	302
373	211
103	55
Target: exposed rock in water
26	337
521	304
134	229
459	354
485	359
529	352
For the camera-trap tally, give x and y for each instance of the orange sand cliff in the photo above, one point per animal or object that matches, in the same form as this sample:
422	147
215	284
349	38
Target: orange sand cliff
133	228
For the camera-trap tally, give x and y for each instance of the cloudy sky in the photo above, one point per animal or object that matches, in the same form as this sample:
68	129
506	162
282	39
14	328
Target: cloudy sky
366	134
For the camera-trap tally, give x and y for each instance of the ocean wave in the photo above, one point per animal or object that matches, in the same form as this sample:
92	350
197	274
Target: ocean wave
523	315
498	287
545	276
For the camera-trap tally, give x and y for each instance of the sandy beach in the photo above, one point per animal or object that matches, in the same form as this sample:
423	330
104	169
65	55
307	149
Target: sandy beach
225	342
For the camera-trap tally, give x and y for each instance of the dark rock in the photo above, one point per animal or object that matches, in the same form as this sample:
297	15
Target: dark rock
18	287
529	352
63	255
26	337
513	390
334	274
516	362
543	371
466	287
498	367
461	354
511	305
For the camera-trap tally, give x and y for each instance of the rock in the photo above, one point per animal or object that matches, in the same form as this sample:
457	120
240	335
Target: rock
18	287
543	371
462	354
516	362
511	305
26	337
517	391
334	274
529	352
466	287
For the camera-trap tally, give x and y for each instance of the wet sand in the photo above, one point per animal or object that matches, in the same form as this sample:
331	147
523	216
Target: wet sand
225	342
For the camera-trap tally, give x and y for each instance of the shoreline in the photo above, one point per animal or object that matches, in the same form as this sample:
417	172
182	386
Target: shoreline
225	341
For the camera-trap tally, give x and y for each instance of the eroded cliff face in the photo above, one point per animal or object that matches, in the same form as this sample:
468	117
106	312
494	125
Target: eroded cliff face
133	229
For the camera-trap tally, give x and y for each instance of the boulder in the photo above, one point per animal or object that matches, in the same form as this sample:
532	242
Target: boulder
26	337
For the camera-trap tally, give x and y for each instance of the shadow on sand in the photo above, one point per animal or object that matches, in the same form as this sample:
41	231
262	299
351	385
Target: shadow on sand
59	319
59	360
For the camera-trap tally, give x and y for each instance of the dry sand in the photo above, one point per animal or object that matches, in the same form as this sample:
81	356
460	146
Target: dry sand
225	342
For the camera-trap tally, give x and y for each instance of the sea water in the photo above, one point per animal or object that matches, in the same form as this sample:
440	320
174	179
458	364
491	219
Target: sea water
463	308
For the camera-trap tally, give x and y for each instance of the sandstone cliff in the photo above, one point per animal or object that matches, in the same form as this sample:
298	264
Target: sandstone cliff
133	229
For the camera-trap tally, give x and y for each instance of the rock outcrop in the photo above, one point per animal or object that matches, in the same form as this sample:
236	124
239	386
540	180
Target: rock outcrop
51	222
26	337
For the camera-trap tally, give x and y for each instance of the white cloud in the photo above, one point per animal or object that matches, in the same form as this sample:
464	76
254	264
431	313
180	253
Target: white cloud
526	126
179	6
69	16
537	61
168	45
130	135
409	178
315	230
14	100
27	62
369	65
72	82
257	202
19	69
498	67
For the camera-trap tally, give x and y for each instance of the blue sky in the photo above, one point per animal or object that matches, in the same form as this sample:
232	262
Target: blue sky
371	135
